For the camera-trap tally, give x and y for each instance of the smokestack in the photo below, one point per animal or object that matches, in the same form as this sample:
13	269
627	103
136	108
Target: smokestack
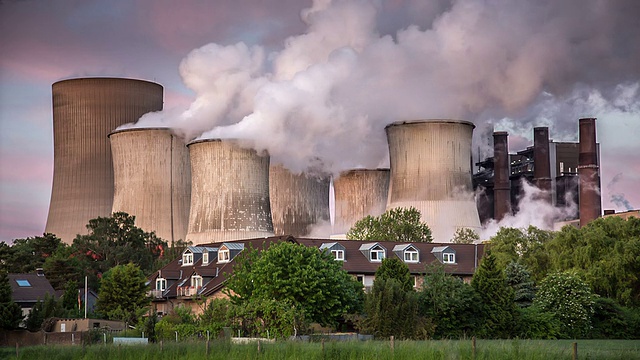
85	111
229	192
588	171
298	201
152	180
502	185
359	193
430	171
541	162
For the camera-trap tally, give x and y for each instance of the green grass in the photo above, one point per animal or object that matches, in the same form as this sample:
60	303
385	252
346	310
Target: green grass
441	349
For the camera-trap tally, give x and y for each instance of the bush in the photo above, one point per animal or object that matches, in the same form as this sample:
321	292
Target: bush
534	323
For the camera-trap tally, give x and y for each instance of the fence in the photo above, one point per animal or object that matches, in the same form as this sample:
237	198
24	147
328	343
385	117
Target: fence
27	338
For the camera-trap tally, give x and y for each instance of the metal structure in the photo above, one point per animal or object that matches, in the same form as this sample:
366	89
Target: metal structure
542	162
85	111
359	193
229	192
502	185
431	171
588	171
298	201
152	180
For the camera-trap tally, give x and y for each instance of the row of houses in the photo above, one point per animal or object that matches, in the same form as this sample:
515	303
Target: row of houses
199	274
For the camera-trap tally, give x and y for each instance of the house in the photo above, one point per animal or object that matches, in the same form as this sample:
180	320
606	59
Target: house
201	271
28	289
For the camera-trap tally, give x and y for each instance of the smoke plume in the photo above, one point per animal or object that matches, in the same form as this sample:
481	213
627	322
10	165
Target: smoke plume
326	95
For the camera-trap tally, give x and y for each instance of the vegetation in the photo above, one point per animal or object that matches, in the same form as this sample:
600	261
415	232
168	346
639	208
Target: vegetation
123	294
394	268
465	236
10	312
402	225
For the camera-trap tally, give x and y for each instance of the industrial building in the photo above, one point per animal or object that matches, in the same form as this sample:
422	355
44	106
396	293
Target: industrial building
85	111
152	180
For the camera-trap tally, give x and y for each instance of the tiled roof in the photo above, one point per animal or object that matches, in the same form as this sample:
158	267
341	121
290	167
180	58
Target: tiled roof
37	287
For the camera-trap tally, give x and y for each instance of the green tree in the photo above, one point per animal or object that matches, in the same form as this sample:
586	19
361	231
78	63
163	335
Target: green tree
10	312
527	247
452	305
465	236
300	277
571	301
496	297
394	268
123	293
42	310
399	224
26	255
64	266
524	289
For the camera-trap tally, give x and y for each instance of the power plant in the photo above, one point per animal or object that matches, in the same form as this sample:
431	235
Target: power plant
298	201
229	192
431	171
359	193
216	190
152	180
85	111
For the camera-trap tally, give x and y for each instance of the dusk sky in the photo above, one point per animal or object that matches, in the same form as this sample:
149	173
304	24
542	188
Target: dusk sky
325	77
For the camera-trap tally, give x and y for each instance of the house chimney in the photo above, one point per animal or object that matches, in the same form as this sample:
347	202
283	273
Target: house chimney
590	206
40	271
501	183
542	167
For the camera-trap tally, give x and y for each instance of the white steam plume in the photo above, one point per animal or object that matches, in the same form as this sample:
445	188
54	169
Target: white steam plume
326	96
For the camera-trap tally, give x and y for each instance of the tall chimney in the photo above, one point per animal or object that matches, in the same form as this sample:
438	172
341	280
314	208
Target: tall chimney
501	183
590	207
542	167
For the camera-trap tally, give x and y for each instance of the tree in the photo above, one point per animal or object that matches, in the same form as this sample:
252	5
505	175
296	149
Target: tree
571	301
64	266
10	312
527	247
302	278
44	309
402	225
524	290
394	268
451	304
496	297
123	293
465	236
26	255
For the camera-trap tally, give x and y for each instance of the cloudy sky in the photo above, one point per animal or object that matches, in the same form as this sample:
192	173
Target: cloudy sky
325	77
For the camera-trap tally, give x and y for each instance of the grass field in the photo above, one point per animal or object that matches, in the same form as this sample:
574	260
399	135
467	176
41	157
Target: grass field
440	349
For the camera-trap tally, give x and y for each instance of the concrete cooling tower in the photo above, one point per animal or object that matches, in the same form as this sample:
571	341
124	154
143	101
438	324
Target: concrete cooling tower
359	193
152	180
431	171
298	201
229	193
85	111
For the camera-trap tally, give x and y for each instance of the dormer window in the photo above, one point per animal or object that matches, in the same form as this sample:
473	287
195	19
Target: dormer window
187	258
196	281
161	284
449	258
411	255
338	254
445	254
407	253
336	249
377	253
205	258
223	255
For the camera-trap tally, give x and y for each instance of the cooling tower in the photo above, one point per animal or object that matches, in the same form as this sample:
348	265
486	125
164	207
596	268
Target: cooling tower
85	111
152	179
431	171
298	201
229	193
542	162
502	185
588	171
359	193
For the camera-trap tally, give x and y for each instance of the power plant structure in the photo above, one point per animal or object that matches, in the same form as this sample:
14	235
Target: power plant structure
359	193
589	172
298	201
85	111
152	180
431	171
229	192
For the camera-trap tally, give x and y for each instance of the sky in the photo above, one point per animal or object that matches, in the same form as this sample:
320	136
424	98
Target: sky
325	77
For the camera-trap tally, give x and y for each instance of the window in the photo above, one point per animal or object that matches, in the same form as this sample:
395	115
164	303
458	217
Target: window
205	258
448	258
411	255
338	254
415	281
196	281
360	278
223	255
161	284
23	283
377	254
187	258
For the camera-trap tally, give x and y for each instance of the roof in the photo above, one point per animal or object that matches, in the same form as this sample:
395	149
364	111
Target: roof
29	288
